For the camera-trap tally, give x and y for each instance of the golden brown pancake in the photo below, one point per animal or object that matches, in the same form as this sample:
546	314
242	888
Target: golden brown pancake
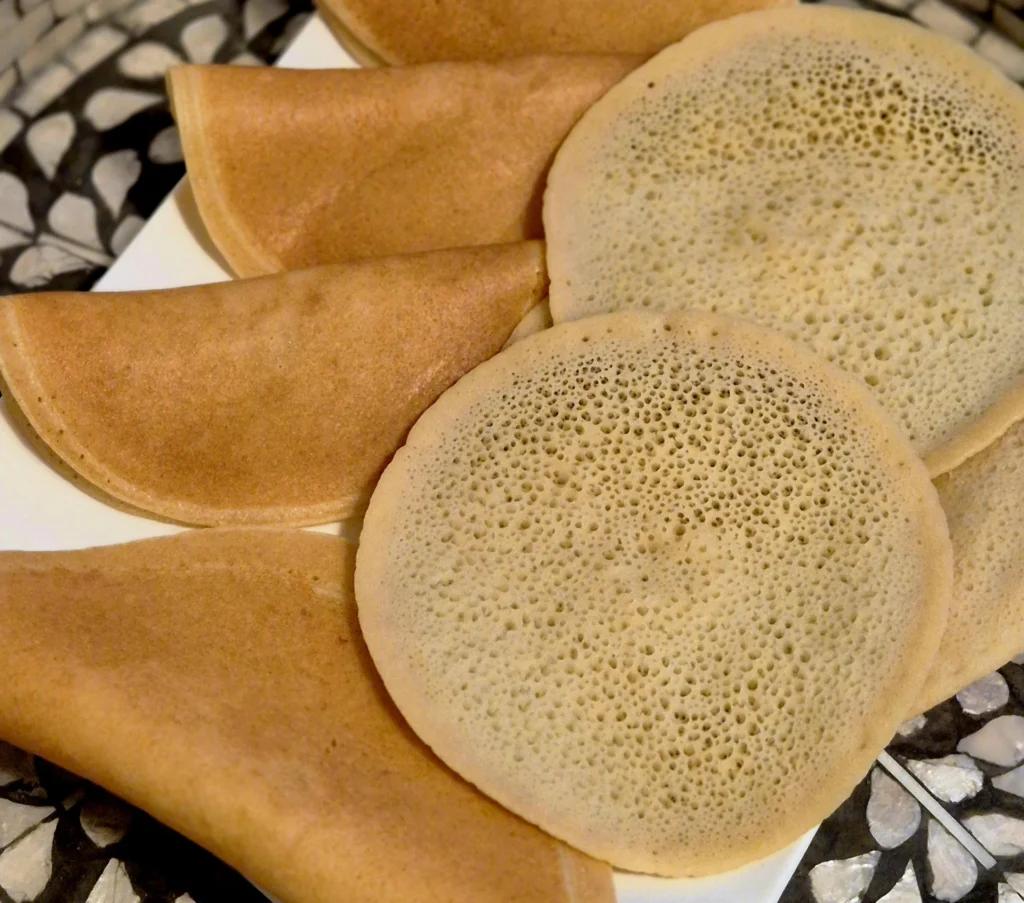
217	680
663	584
421	31
982	499
294	169
269	401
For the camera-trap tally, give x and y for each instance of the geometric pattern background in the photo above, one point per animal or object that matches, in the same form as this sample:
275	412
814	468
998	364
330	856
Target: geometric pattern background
88	148
956	834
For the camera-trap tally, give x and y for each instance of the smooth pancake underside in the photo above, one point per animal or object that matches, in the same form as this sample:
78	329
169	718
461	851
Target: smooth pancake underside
982	501
846	177
465	146
147	669
270	401
663	585
492	29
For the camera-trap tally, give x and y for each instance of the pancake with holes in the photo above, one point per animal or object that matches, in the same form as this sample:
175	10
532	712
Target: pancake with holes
377	31
982	501
664	585
273	401
846	177
378	162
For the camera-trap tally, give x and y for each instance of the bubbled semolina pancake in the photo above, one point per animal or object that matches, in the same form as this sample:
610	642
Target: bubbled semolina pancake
422	31
217	680
663	585
376	162
845	177
982	499
268	401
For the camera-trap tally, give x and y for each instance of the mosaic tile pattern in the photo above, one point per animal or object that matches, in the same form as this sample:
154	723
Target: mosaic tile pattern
87	152
959	837
87	145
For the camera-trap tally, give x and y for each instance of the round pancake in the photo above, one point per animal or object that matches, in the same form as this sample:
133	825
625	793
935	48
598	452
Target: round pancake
381	31
845	177
662	584
982	501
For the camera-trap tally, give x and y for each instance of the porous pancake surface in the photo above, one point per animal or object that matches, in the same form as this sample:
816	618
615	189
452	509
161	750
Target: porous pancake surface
982	501
848	178
662	584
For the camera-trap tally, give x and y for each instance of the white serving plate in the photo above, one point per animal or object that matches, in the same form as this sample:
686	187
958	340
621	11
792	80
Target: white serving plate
40	510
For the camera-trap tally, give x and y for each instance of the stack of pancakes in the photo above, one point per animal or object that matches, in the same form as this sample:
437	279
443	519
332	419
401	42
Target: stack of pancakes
658	563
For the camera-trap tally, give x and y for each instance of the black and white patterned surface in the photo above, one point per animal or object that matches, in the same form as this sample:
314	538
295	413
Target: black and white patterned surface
87	144
87	152
957	833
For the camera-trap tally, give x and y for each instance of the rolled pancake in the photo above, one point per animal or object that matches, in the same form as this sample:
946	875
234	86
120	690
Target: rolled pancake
982	499
217	680
845	177
664	585
295	169
270	401
422	31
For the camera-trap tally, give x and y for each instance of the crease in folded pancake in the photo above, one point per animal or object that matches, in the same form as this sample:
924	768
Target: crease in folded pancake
537	320
294	169
664	585
217	680
355	48
848	178
422	31
270	401
984	503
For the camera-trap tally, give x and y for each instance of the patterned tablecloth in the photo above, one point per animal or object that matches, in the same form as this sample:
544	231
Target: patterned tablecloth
87	151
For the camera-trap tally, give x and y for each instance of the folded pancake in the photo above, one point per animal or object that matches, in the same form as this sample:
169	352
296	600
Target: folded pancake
420	31
217	680
846	177
664	585
270	401
294	169
982	499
